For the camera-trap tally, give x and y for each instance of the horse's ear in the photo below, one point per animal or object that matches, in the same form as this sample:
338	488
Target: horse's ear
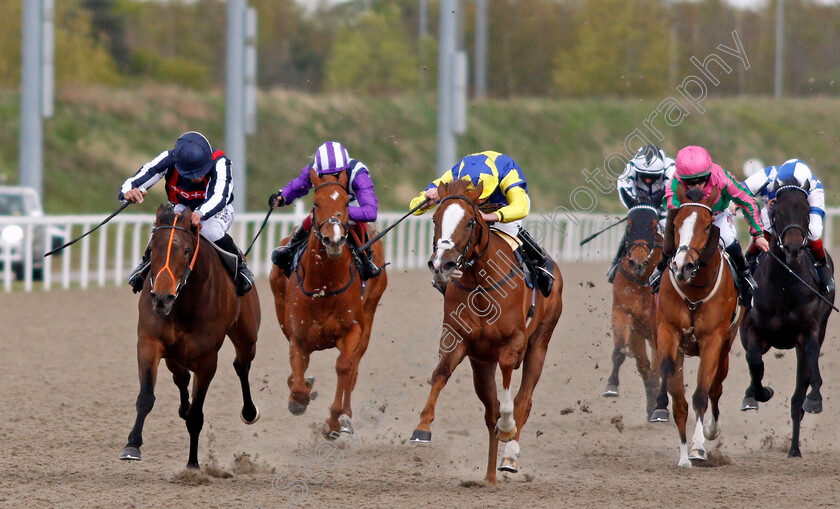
710	200
475	194
160	212
343	179
443	191
806	186
776	185
314	177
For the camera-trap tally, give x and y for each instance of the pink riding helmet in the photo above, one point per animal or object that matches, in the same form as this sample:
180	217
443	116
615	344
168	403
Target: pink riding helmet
693	162
331	157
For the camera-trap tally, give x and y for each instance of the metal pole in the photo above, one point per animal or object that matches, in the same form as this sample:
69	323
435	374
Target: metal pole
31	123
780	48
423	31
481	28
446	138
235	101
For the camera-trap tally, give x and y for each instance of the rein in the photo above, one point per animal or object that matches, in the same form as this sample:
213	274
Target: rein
692	304
463	262
166	267
321	293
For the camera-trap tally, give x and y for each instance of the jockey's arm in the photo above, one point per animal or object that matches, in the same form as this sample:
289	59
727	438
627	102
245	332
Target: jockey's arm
417	200
145	177
218	189
517	208
297	187
627	188
366	197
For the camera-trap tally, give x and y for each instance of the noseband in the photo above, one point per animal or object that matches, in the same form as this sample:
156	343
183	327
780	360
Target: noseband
332	220
166	267
463	262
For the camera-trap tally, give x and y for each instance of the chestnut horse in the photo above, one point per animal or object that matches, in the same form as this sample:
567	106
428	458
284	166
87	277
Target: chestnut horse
184	320
324	304
486	318
785	313
634	307
697	314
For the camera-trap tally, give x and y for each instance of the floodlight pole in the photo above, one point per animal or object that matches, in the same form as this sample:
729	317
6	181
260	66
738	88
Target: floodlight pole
31	123
780	48
235	101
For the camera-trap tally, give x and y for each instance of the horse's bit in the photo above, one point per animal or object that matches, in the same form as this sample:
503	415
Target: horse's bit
462	262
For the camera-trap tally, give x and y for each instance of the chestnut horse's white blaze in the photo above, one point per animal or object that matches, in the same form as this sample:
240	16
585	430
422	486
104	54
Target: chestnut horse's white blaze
686	233
506	422
336	238
452	217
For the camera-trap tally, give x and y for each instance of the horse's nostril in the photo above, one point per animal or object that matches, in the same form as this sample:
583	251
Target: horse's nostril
449	266
632	264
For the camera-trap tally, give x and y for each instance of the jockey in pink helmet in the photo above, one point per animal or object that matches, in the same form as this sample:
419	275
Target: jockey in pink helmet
331	157
695	170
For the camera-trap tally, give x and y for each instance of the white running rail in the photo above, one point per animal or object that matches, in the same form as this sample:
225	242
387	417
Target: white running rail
108	255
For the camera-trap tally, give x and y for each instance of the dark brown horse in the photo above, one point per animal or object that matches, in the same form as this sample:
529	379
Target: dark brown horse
324	304
634	307
786	314
486	318
187	306
697	314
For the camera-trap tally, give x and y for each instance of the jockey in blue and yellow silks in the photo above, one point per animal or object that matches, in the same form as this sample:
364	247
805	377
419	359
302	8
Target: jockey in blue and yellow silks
503	203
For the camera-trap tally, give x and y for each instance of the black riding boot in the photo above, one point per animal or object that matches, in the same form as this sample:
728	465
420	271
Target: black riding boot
284	255
826	277
622	248
656	276
244	279
747	282
364	260
752	261
138	276
542	262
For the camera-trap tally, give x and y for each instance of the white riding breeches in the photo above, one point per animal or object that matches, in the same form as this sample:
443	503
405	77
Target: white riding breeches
725	221
215	227
511	228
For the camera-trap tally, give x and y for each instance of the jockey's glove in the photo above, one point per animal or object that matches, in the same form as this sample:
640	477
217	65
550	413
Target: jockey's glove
276	200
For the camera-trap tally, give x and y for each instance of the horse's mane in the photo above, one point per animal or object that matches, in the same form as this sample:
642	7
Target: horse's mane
166	214
460	186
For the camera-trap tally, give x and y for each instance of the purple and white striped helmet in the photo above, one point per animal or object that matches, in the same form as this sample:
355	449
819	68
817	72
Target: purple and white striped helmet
331	157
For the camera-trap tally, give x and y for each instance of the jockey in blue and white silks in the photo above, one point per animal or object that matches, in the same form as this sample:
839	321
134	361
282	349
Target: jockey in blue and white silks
762	185
197	178
643	183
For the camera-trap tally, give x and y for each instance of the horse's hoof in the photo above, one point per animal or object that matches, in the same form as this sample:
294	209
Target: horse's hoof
346	424
812	406
794	453
255	419
130	453
764	398
749	404
611	391
296	408
509	465
503	436
421	436
660	415
313	395
193	466
309	381
697	455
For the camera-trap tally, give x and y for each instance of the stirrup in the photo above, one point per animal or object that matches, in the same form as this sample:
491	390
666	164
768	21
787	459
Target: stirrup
244	280
137	278
655	280
611	273
368	269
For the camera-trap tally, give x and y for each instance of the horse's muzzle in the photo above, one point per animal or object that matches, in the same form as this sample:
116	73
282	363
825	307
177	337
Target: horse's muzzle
162	304
637	268
333	249
686	272
442	274
792	253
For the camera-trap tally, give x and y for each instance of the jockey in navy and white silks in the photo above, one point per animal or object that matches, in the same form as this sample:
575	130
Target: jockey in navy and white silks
643	183
197	178
761	185
332	157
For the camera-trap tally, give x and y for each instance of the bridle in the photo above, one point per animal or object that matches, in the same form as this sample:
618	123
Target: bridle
166	267
649	247
781	235
463	262
332	220
690	249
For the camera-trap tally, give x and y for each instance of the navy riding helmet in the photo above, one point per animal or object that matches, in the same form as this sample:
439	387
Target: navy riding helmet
193	155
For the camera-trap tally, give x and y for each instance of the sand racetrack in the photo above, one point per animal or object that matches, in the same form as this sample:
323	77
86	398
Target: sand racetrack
68	381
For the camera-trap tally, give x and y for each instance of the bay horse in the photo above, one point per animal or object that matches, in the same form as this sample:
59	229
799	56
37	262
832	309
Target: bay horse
785	313
187	306
486	318
324	304
697	315
634	307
